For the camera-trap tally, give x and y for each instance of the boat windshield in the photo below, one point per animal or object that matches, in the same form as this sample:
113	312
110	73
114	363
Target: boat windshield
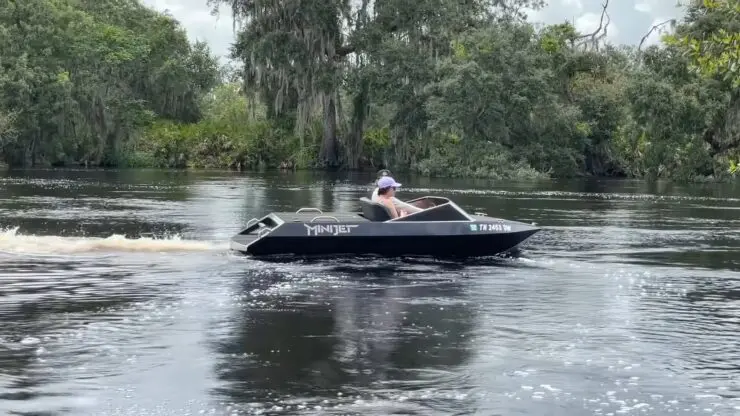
435	209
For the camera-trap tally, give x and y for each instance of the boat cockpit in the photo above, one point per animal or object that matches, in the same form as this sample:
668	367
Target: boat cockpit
432	209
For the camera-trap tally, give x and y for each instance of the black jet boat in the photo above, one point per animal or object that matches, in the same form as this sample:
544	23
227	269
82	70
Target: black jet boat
443	230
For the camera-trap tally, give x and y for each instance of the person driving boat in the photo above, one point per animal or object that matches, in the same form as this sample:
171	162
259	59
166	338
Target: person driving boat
386	196
388	181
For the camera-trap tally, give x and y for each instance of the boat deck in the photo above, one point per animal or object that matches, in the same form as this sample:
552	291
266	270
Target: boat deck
346	217
320	217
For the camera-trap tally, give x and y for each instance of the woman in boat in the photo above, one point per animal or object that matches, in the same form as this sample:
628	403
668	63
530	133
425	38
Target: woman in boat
385	195
412	207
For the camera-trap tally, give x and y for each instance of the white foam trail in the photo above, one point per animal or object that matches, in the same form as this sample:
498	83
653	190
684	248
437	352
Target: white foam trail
13	242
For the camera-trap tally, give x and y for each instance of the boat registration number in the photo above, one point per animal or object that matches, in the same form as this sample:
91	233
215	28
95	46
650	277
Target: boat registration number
490	227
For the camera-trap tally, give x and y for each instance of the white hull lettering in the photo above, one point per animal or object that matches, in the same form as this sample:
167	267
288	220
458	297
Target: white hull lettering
328	229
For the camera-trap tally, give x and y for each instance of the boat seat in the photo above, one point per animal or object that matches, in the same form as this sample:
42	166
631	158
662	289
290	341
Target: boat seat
374	211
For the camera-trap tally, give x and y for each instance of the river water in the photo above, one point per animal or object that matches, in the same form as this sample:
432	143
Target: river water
119	296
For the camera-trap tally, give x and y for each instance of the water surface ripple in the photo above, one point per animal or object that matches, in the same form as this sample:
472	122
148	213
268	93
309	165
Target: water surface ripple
118	296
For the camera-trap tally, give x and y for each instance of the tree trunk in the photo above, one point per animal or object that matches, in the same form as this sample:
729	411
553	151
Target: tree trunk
359	111
724	134
32	151
102	130
328	155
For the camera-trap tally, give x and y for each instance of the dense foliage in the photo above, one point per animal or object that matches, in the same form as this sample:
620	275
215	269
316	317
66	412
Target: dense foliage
442	87
79	79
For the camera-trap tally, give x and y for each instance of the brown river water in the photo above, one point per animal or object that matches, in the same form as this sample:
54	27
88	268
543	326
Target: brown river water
119	296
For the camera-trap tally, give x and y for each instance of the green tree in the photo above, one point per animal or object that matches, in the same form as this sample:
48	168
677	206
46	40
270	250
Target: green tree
710	38
84	77
303	55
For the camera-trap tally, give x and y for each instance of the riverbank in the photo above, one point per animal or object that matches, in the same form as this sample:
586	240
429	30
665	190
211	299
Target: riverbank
219	142
370	173
259	146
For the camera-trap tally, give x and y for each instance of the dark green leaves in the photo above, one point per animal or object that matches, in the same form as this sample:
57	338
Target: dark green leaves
83	77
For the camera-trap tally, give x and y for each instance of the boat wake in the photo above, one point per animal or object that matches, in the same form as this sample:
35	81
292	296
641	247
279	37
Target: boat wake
13	242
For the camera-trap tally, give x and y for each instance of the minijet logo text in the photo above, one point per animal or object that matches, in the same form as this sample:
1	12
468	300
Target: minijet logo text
328	229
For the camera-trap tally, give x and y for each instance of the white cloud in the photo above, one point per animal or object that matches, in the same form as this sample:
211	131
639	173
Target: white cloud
533	15
169	5
574	3
644	7
195	16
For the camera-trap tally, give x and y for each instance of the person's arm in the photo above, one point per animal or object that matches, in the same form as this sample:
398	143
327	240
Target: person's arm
400	205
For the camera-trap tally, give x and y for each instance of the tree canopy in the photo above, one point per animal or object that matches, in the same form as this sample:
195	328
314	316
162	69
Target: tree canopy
440	87
80	78
470	87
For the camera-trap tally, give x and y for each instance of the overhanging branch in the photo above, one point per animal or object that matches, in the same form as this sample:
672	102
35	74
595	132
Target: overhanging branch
654	28
595	36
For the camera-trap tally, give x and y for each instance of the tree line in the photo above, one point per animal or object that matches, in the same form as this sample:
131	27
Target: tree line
440	87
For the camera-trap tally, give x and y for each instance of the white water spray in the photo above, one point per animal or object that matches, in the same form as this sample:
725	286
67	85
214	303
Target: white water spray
13	242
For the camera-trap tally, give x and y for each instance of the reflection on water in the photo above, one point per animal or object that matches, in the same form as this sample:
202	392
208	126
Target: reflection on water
118	297
343	338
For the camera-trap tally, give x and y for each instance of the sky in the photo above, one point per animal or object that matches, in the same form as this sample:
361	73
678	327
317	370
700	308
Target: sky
630	19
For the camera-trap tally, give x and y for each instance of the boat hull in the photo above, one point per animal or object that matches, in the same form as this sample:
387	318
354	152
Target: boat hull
353	234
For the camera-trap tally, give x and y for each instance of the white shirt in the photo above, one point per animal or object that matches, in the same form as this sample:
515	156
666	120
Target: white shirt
374	197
